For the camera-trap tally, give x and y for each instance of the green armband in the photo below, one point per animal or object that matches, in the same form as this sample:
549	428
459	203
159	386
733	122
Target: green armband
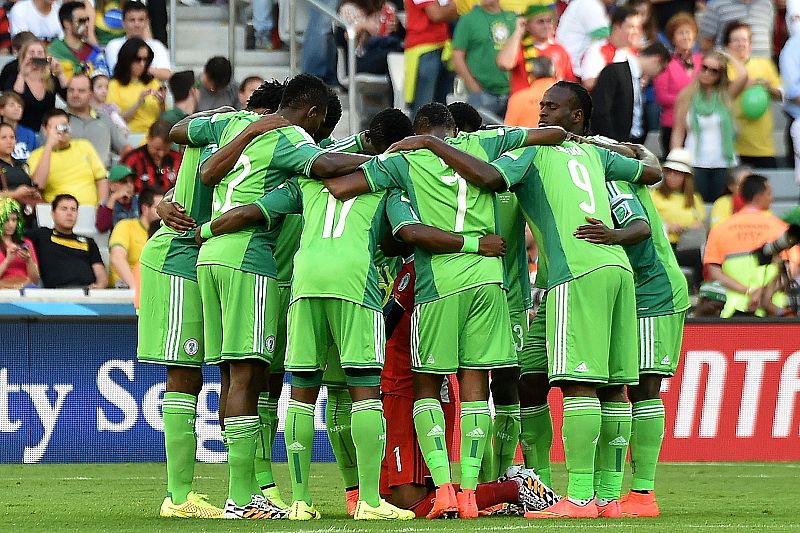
470	245
205	230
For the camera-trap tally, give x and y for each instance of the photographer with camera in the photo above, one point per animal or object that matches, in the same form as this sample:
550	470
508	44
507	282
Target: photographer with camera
753	283
65	165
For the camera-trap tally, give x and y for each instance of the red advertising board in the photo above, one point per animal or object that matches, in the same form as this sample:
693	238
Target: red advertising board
735	396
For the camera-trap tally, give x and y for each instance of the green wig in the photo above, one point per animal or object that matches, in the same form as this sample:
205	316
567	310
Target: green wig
7	207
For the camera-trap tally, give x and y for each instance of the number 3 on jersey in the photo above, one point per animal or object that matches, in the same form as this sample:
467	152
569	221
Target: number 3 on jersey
328	230
580	177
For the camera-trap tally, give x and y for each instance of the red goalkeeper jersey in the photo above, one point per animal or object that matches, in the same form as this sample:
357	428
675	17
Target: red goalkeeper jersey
396	377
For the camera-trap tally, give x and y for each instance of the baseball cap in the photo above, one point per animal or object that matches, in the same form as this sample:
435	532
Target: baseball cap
713	290
539	7
119	173
679	159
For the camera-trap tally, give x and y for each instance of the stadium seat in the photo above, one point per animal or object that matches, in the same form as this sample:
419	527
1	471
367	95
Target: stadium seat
372	89
397	73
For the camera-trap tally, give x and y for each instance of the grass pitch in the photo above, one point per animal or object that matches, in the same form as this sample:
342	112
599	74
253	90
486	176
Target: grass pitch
126	497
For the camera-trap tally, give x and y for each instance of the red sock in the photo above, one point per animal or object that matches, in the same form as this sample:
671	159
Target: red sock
422	507
489	494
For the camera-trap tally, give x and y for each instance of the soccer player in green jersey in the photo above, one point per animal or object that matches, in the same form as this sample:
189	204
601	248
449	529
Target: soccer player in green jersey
340	307
236	271
171	333
454	285
265	99
591	350
501	444
662	299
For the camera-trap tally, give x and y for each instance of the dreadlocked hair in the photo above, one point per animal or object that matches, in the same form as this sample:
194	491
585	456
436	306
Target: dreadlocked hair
582	100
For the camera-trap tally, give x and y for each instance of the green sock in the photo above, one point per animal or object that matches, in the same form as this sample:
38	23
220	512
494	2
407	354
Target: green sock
505	431
536	437
646	436
339	425
263	463
486	474
299	436
612	448
580	431
242	433
430	427
180	443
476	423
369	436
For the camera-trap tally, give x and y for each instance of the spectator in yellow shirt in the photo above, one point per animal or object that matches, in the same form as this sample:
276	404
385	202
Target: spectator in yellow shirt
128	238
139	96
754	143
726	205
680	207
65	165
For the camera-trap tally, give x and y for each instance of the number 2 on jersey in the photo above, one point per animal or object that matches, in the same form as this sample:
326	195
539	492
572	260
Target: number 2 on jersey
244	163
580	177
328	231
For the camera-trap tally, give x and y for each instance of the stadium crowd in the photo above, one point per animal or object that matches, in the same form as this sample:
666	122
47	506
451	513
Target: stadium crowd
85	118
227	183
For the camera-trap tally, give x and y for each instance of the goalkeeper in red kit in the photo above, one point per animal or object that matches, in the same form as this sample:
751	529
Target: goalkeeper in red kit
405	479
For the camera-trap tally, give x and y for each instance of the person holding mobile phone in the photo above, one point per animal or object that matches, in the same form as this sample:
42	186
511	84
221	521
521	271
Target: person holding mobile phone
19	266
38	81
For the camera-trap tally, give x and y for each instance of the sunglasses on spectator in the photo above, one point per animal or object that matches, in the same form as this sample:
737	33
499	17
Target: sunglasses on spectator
141	59
82	20
712	70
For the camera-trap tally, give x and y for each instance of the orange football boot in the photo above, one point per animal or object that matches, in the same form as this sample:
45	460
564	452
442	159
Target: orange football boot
638	504
467	506
445	505
609	510
351	497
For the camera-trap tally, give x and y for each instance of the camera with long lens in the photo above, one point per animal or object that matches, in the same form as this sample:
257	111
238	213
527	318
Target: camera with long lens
791	237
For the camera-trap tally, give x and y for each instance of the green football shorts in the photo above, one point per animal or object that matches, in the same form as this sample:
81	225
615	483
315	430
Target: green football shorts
591	328
533	357
317	324
469	329
660	340
239	311
170	321
334	376
520	324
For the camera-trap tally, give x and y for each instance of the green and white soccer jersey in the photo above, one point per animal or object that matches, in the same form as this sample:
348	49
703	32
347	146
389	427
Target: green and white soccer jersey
558	187
660	285
346	283
443	199
267	162
554	208
662	296
518	281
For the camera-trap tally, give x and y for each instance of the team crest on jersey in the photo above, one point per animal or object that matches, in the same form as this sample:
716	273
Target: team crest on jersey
404	281
191	347
499	33
271	343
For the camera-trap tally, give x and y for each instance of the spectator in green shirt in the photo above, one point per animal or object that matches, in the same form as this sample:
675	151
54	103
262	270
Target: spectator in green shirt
478	37
185	94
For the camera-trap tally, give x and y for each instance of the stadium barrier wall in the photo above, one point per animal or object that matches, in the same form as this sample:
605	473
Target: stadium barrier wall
72	391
